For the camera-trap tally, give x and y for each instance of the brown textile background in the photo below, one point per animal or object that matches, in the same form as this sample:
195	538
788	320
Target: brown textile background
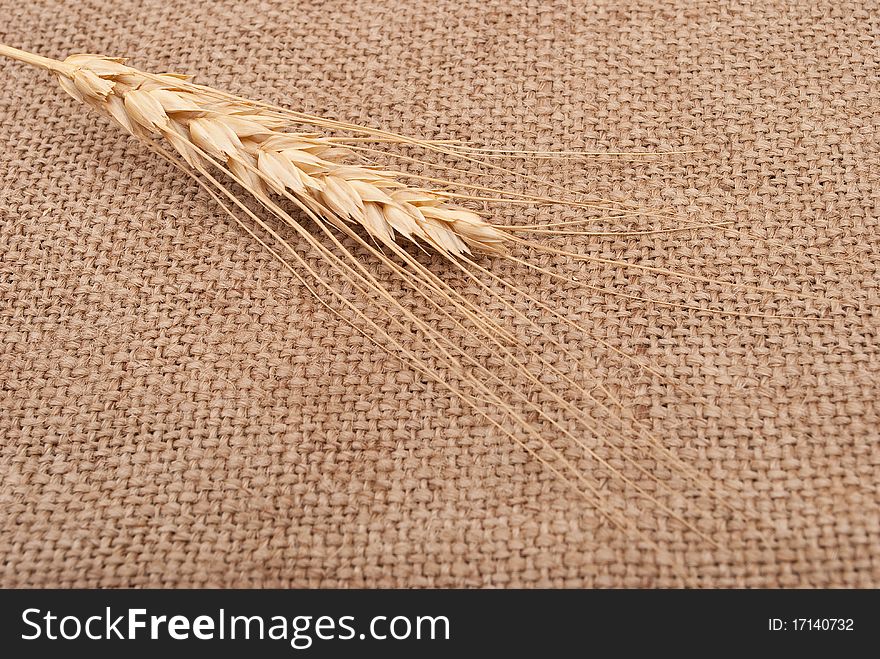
176	411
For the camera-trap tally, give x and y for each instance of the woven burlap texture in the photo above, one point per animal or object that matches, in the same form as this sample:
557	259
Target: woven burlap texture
175	410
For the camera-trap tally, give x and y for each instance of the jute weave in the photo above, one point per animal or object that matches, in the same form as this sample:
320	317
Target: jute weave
175	410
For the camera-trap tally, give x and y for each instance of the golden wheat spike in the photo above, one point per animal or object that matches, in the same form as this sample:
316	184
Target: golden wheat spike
262	157
200	129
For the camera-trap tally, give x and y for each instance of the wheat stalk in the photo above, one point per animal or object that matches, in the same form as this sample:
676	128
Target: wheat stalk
203	130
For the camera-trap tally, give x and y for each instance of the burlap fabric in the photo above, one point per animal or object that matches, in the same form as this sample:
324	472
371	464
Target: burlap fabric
175	410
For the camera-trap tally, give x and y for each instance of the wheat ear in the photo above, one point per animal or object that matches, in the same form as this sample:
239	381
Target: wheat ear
265	159
326	177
